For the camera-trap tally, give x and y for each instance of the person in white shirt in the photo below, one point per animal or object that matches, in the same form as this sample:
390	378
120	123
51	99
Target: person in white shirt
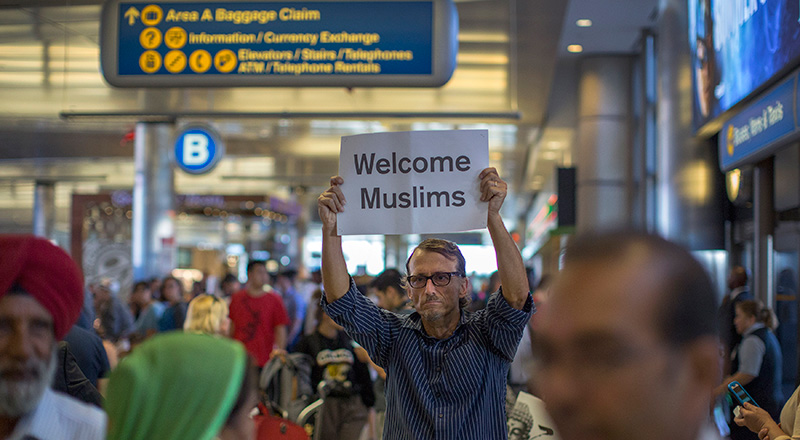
41	294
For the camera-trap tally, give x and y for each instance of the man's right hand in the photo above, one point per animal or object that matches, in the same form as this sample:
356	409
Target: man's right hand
334	269
330	203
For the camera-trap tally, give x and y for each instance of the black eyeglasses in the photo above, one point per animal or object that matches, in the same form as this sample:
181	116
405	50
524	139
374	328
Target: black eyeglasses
439	279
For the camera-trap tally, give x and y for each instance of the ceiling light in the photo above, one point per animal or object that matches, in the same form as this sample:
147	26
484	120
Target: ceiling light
584	22
482	58
575	48
482	37
549	155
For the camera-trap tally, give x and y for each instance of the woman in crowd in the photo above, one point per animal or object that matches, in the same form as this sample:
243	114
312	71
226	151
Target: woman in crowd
207	314
756	361
179	386
175	313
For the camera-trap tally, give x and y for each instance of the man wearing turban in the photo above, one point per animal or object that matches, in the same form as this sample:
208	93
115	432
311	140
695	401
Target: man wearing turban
41	294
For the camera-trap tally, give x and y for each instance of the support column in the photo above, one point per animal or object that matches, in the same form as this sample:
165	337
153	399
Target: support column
301	196
395	248
644	127
44	209
764	228
603	156
153	202
690	187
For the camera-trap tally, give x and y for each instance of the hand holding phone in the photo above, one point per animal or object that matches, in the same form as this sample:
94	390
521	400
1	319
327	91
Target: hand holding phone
740	394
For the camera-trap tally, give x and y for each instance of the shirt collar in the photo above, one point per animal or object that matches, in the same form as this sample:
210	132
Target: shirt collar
414	322
753	328
31	424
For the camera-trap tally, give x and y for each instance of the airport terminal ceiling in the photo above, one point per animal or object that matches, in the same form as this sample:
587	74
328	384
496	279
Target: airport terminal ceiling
510	52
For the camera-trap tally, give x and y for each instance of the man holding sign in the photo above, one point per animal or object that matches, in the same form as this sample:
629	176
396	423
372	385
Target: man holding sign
446	367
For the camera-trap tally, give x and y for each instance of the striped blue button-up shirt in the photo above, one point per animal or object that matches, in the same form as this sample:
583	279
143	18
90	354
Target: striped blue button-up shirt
451	388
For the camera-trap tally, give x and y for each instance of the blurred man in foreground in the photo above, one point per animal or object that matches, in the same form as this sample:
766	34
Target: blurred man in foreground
627	346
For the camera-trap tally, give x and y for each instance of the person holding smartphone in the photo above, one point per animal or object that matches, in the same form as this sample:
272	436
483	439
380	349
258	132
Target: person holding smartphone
759	421
756	361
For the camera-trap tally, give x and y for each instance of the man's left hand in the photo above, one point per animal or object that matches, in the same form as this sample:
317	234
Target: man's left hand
493	189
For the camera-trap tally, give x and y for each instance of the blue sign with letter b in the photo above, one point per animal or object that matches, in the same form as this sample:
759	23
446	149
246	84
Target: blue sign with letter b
198	149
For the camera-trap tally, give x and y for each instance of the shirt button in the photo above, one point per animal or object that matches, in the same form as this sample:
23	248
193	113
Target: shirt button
438	369
441	415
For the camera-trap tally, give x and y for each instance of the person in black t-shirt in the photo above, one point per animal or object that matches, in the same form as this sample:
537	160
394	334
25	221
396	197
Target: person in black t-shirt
341	377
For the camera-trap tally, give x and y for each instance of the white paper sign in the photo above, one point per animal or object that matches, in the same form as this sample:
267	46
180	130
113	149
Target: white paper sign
413	182
529	420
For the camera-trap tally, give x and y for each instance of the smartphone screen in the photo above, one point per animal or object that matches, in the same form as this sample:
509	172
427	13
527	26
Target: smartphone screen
741	395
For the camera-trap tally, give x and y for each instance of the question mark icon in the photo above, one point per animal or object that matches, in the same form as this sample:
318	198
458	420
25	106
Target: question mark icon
150	38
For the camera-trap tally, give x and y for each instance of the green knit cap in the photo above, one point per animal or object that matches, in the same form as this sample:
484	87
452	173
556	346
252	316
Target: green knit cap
175	386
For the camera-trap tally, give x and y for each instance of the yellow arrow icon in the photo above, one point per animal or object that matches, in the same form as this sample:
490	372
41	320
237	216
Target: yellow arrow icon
131	14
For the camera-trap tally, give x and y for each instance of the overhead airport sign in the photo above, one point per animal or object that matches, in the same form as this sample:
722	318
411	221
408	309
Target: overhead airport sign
201	43
413	182
198	148
760	128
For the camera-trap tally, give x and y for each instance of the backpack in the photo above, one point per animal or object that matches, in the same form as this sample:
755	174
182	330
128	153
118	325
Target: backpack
286	382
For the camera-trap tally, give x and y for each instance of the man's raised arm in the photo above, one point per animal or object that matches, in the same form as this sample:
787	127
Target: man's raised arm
335	278
509	261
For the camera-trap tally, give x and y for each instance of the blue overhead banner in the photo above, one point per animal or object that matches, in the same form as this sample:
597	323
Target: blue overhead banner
760	128
288	43
738	46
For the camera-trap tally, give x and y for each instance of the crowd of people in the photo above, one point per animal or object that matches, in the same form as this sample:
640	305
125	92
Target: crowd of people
625	342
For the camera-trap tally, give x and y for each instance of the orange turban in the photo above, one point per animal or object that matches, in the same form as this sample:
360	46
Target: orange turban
45	272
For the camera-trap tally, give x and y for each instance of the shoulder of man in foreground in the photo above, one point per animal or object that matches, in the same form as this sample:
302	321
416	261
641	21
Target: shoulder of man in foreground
61	417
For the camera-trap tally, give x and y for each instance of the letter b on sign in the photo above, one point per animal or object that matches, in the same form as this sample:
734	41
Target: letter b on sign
198	149
195	149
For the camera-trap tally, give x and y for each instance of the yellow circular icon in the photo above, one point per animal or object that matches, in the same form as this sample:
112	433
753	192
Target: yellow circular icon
175	38
225	60
200	61
150	38
175	61
150	61
152	15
